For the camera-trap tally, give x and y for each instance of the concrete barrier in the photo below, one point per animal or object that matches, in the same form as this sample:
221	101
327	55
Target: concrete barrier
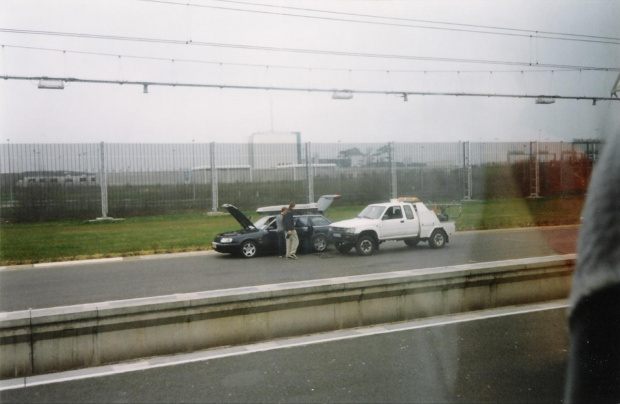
63	338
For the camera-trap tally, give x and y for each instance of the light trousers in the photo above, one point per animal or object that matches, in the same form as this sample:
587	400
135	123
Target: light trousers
292	243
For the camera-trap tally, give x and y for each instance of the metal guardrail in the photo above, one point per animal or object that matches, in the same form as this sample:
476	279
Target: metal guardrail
62	338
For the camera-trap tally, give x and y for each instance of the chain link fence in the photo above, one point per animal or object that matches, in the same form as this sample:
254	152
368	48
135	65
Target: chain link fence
85	181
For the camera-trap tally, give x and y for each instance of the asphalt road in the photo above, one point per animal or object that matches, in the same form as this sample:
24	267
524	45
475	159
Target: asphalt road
22	288
498	357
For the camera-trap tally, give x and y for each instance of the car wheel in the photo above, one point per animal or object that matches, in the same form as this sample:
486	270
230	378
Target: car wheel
412	242
343	248
365	245
249	249
319	243
438	239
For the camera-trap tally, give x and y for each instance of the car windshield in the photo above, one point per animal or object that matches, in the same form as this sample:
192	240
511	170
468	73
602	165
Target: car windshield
263	222
371	212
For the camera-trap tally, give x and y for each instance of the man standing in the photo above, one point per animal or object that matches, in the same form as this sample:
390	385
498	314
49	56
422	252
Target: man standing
292	241
280	233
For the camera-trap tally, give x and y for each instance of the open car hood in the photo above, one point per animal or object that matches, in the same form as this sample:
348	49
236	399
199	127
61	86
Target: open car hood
241	218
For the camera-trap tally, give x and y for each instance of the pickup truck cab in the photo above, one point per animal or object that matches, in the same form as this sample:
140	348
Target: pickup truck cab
404	219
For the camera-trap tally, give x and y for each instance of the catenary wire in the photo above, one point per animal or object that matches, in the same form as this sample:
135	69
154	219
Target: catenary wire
167	59
537	34
300	50
422	21
402	93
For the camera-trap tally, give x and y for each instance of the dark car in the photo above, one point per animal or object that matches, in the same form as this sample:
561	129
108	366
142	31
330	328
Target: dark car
261	236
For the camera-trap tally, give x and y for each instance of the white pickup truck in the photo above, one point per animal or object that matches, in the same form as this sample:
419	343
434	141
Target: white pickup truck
400	219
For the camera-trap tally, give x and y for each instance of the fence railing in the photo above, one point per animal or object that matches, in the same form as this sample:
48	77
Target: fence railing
56	181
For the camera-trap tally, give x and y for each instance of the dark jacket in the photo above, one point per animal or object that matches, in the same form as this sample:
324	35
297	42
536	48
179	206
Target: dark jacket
287	221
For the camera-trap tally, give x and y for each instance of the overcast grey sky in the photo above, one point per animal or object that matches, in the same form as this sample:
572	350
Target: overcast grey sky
416	46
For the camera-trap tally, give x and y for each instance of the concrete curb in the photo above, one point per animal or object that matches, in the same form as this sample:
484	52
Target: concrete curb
107	260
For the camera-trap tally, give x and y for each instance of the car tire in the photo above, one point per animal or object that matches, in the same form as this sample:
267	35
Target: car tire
412	242
248	249
437	239
343	248
319	243
365	245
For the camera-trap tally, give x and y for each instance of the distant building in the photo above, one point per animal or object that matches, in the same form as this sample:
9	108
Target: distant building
273	149
54	178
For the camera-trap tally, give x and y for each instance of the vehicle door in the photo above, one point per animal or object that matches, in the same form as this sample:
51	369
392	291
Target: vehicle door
320	224
411	221
270	235
393	223
301	227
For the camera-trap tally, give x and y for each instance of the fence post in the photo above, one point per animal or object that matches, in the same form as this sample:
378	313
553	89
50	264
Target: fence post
8	151
104	183
309	173
191	173
214	185
534	171
467	175
561	167
393	179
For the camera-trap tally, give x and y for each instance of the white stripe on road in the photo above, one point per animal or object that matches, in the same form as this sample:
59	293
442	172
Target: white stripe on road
107	260
216	353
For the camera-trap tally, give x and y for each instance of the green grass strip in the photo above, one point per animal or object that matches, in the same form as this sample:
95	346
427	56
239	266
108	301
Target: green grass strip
27	243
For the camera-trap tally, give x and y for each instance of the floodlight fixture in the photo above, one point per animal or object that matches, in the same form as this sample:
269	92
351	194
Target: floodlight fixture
342	95
46	84
545	100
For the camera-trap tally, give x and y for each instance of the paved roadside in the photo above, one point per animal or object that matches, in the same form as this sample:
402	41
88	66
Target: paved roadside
65	284
212	252
508	355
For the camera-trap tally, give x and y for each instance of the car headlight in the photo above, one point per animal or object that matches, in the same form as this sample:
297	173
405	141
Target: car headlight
350	230
226	240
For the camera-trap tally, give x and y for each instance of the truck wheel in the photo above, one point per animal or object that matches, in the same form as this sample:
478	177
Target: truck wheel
319	243
249	249
437	239
412	242
343	248
365	245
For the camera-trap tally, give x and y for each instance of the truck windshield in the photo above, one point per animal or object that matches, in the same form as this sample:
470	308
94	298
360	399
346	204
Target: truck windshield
371	212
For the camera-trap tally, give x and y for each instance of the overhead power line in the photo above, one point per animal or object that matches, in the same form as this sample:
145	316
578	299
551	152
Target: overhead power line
304	51
471	28
305	68
403	94
424	21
